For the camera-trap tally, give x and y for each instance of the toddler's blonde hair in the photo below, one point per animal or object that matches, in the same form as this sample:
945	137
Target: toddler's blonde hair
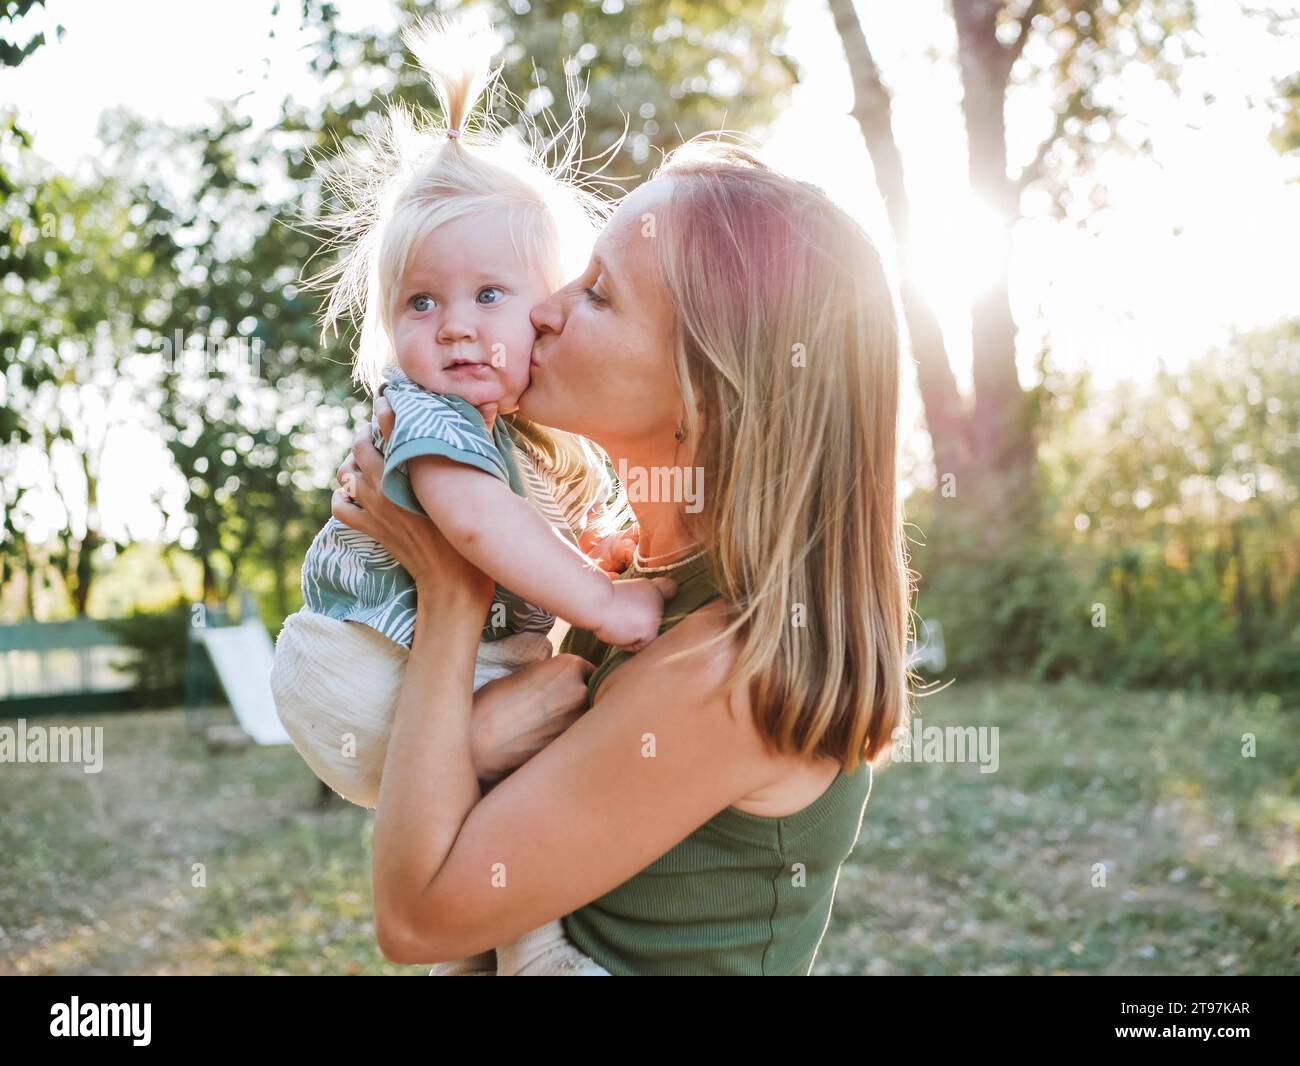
412	174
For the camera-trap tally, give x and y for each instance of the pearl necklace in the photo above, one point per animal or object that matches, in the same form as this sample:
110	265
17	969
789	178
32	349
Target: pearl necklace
639	561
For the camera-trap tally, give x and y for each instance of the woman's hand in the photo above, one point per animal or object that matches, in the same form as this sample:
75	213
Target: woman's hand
516	716
413	539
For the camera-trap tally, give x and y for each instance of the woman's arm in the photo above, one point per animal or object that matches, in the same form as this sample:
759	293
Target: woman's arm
660	752
428	786
517	715
663	750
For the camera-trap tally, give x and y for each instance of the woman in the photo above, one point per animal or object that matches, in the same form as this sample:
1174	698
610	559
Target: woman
732	324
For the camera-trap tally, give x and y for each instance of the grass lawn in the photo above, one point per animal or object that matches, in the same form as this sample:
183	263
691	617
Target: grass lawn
955	871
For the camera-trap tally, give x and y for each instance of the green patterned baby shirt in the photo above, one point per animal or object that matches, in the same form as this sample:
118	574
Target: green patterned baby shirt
351	576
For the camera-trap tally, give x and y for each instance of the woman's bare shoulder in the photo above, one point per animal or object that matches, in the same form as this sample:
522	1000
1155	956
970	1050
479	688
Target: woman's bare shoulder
703	670
790	782
693	661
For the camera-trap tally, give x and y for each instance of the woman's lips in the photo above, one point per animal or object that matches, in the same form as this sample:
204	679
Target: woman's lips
538	342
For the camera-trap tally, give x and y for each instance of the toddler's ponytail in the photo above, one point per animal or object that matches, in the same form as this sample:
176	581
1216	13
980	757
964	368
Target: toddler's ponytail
457	57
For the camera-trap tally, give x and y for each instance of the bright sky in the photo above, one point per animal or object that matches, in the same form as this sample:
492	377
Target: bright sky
1201	239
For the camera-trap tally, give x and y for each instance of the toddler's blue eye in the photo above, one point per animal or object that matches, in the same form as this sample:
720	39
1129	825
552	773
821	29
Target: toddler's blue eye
500	295
421	302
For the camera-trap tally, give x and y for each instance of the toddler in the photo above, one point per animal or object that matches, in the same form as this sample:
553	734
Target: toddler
447	248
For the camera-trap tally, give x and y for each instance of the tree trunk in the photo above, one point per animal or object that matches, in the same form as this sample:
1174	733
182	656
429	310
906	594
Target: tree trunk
1245	613
872	109
29	567
1002	431
84	572
990	448
86	552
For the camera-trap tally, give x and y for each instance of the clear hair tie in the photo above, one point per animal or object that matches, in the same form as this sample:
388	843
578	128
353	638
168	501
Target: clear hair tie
453	134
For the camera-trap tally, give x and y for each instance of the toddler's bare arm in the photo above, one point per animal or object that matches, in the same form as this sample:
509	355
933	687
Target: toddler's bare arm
504	536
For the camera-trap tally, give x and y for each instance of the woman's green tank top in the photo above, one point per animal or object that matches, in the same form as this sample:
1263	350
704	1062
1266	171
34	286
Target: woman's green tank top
743	894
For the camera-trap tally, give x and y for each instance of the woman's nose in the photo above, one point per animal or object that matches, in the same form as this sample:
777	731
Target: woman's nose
548	315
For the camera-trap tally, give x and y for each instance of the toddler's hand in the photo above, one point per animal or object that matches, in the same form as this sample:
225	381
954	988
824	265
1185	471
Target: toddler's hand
613	554
635	611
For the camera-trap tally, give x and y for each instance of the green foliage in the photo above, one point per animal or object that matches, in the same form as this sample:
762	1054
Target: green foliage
1008	609
657	71
63	331
663	70
156	645
12	53
1086	50
21	211
1172	545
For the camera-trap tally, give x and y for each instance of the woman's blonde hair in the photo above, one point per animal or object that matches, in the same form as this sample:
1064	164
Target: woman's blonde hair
787	338
413	174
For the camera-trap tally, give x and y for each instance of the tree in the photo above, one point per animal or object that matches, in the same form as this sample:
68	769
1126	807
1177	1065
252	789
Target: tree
659	71
250	402
1072	48
670	68
1191	540
20	215
71	329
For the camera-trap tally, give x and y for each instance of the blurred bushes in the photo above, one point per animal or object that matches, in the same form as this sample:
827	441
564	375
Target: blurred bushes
1012	613
157	658
1169	545
157	644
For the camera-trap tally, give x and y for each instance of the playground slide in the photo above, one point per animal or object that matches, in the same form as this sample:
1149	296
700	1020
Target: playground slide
242	657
